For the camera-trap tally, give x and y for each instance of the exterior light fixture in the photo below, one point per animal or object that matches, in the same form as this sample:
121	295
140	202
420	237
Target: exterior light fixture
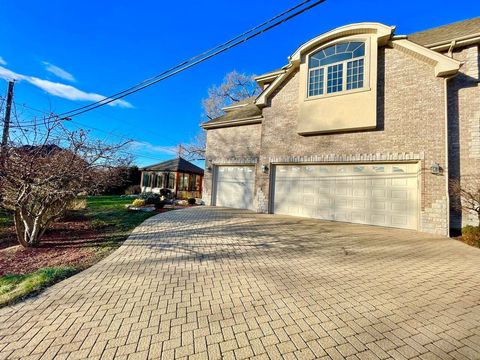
436	169
264	169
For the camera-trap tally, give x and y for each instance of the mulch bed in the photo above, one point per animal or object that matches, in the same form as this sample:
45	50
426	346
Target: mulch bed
70	242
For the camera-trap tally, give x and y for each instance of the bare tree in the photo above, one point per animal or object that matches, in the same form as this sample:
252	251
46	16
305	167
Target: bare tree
45	167
195	150
234	88
466	194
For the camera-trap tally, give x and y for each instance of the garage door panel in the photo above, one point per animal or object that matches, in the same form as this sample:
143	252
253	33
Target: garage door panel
234	186
380	194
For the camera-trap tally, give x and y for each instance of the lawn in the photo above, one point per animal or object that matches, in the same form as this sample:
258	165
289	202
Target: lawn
80	239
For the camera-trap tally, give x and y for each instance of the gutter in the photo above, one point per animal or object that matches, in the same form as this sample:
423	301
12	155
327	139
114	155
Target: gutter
459	42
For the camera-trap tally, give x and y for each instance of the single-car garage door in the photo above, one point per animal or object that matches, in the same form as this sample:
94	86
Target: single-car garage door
234	186
376	194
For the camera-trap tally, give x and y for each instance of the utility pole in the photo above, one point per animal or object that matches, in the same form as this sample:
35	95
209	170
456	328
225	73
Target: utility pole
6	122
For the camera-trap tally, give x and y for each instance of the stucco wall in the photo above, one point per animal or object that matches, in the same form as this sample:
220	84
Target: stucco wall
410	125
464	124
231	145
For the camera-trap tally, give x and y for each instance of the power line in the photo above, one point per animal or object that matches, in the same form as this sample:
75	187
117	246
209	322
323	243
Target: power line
52	114
257	30
21	127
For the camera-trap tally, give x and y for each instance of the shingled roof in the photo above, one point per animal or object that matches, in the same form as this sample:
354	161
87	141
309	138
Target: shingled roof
175	165
244	109
447	32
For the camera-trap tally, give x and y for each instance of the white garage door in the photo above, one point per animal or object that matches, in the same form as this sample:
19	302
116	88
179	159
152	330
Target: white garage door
378	194
234	186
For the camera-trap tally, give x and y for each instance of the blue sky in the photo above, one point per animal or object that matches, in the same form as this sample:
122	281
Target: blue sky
101	47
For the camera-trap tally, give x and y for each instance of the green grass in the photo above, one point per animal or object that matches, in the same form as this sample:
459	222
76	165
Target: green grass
110	212
16	287
112	221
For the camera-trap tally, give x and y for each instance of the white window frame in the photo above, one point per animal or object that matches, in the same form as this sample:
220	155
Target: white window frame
344	91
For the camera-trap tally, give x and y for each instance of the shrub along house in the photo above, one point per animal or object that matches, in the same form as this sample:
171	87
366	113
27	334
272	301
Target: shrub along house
360	126
180	176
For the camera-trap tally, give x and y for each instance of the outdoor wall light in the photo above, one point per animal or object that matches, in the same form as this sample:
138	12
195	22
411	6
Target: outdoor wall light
264	169
436	169
209	167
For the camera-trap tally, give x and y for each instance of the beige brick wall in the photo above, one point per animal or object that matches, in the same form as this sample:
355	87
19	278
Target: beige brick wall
464	123
231	145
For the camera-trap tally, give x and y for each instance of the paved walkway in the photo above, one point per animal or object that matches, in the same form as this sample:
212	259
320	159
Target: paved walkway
210	283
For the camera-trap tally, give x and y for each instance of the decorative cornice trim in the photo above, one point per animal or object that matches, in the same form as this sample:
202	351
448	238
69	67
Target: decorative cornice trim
382	32
444	66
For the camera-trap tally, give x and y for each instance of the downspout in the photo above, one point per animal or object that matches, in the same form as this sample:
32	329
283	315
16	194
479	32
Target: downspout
450	49
447	173
447	165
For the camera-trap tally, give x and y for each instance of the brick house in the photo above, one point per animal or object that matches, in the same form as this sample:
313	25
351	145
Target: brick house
354	129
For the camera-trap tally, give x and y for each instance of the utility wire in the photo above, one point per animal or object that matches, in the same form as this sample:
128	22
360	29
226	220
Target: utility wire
258	30
50	114
195	57
79	125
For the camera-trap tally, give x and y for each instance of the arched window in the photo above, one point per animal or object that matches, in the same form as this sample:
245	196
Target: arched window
336	68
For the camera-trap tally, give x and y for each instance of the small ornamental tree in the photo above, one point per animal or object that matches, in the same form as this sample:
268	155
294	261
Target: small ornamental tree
466	194
44	167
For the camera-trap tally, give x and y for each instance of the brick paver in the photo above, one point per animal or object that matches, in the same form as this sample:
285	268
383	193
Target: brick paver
217	283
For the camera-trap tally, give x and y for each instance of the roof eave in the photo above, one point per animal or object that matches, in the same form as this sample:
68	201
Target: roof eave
236	122
456	42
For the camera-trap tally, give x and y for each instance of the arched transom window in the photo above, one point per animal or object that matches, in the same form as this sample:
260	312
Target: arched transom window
336	68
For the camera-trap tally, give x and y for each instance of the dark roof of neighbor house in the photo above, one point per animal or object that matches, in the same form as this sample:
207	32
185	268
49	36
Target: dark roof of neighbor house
447	32
175	165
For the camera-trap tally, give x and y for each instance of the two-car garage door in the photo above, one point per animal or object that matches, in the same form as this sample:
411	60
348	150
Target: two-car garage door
376	194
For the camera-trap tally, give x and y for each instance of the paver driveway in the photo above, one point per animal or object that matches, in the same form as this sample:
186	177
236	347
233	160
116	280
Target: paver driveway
210	283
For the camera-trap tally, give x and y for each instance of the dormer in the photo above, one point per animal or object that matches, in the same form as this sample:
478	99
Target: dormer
338	79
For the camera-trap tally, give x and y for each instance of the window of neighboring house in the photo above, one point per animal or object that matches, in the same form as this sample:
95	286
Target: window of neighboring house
183	182
146	179
171	180
191	182
158	178
154	179
198	182
336	68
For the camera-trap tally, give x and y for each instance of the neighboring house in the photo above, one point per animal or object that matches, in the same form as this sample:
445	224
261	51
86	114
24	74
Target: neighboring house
180	176
354	129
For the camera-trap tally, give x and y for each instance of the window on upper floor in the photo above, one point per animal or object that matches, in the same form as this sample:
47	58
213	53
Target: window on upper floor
337	68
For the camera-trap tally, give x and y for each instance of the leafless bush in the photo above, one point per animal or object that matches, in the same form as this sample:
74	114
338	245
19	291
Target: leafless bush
44	167
466	194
